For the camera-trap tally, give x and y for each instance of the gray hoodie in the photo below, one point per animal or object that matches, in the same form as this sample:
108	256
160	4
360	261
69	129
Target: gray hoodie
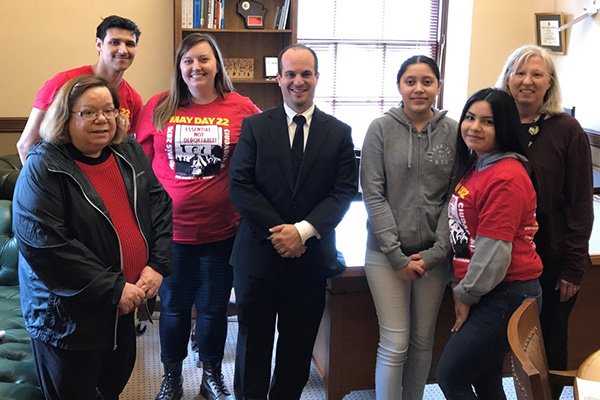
405	177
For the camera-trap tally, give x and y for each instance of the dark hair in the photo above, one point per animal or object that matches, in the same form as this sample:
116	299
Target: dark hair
180	94
417	60
296	46
114	21
506	126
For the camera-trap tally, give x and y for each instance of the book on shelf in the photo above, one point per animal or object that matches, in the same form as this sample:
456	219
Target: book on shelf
285	9
205	7
213	14
198	14
203	14
182	14
218	14
210	14
276	19
222	20
189	14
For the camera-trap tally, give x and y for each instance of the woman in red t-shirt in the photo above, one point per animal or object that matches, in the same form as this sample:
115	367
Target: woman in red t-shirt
492	224
189	134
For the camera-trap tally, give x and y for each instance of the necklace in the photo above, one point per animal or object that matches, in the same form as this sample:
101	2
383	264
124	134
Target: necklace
534	129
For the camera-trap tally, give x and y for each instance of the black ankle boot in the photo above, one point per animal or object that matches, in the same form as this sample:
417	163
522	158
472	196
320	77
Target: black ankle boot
171	387
213	387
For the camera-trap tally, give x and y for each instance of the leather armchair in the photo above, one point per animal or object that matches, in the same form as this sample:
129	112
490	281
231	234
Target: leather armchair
18	379
9	171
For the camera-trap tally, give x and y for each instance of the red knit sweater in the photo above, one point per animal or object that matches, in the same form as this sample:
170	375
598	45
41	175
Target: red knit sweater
108	182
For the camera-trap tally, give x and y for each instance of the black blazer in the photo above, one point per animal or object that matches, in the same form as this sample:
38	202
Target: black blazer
261	188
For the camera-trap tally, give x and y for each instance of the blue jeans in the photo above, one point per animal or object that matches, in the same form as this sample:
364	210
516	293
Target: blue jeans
201	275
474	356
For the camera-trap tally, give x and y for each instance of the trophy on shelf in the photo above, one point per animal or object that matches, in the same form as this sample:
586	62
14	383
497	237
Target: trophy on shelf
253	13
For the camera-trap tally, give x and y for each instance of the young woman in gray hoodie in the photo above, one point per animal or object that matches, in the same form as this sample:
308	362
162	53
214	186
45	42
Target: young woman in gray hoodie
406	165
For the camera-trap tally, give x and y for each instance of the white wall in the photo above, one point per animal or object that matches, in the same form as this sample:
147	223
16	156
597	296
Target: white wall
579	69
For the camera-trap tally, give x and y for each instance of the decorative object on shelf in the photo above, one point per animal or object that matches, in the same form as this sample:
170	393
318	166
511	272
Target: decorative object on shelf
239	68
271	67
548	33
253	13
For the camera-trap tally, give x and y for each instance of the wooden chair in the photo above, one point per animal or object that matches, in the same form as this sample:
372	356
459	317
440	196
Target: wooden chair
533	379
588	370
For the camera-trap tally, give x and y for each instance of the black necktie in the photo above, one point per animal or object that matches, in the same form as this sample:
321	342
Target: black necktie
298	145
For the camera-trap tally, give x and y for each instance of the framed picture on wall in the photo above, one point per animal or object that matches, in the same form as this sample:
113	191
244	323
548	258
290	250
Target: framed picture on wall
548	33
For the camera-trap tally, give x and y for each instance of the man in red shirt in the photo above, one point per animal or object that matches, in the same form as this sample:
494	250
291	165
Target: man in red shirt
116	41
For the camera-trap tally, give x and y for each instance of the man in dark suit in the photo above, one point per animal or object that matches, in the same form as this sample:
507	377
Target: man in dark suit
285	247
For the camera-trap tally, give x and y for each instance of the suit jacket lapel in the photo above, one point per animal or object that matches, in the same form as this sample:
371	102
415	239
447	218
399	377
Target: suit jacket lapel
316	138
278	130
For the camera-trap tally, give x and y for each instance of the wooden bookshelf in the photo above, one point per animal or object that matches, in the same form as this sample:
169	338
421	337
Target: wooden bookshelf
236	41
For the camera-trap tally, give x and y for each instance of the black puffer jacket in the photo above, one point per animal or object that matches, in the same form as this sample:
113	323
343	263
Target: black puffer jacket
70	268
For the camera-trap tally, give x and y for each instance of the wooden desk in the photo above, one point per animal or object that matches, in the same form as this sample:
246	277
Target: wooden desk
346	345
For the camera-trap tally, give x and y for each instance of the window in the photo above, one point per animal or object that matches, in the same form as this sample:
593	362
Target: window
361	46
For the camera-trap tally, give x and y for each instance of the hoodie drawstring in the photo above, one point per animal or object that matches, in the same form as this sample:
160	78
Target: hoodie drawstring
410	143
430	146
410	146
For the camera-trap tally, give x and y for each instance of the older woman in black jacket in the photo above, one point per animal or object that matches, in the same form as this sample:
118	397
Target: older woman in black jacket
93	226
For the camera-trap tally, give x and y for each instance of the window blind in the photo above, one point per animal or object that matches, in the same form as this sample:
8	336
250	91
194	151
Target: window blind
361	46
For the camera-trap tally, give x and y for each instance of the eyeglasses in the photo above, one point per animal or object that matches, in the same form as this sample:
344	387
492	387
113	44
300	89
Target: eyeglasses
88	115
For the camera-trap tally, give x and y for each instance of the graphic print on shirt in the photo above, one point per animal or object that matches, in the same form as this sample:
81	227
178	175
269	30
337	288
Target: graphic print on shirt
460	238
441	154
197	150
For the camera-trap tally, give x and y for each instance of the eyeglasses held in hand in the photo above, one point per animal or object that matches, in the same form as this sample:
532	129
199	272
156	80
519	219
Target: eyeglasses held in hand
90	115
